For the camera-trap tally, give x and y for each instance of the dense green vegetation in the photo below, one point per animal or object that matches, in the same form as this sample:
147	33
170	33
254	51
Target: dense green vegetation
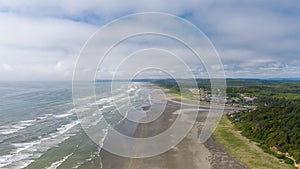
275	123
185	83
174	87
264	88
244	150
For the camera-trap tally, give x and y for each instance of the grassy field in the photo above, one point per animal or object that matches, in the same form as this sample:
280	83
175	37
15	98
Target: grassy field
244	150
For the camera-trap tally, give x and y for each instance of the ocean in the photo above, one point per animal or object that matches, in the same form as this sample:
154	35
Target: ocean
39	127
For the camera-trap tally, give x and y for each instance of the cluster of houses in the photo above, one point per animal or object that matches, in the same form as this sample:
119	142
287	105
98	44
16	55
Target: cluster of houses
205	95
232	114
201	94
241	100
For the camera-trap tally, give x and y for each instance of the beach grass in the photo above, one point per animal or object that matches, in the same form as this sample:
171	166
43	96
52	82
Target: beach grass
245	150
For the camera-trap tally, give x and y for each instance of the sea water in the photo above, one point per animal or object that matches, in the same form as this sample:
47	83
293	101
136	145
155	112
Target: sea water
39	127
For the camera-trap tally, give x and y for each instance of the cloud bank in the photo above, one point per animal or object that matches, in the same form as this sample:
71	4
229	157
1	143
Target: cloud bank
40	40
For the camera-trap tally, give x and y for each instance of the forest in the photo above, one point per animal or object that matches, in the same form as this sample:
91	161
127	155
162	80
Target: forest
275	123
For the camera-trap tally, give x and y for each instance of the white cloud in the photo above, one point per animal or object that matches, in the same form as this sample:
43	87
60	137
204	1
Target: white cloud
41	39
5	67
33	45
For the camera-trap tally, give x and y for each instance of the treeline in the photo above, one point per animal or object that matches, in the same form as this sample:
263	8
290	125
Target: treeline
250	87
266	88
274	124
185	83
276	121
170	84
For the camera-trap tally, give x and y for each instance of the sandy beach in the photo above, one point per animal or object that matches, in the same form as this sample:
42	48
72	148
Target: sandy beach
188	154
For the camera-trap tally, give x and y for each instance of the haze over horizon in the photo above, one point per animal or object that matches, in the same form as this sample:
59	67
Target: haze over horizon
41	40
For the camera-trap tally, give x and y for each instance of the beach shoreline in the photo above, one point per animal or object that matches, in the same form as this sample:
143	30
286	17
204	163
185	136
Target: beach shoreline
188	153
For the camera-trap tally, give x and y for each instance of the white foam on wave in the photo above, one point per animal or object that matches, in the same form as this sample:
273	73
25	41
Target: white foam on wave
10	129
101	145
25	146
58	163
15	161
69	113
104	100
96	121
44	117
96	153
107	100
5	158
27	121
132	88
22	164
67	127
25	153
63	115
105	107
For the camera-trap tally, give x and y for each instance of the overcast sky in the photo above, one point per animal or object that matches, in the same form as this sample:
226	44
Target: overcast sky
41	39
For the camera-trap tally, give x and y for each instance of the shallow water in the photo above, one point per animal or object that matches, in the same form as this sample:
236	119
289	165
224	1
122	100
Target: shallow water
39	127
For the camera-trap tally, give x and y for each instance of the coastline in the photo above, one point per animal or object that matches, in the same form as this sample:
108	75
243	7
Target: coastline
188	154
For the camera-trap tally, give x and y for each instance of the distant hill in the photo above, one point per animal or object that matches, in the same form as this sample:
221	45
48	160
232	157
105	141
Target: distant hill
284	79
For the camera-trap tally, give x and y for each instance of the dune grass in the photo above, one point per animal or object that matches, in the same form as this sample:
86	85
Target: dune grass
245	150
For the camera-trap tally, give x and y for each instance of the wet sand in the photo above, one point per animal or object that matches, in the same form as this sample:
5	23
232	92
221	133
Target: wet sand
188	154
